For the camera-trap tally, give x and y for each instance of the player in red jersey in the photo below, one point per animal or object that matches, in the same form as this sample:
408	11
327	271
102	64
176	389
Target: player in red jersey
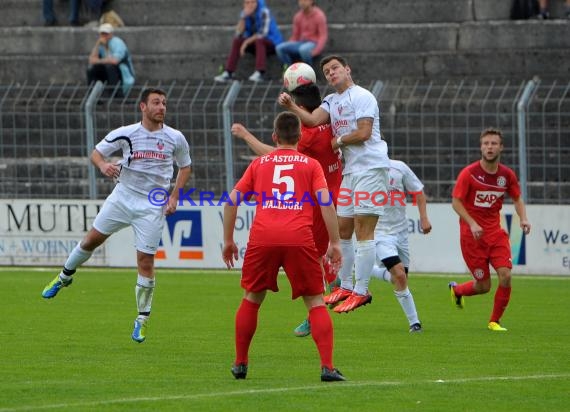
314	142
287	186
478	198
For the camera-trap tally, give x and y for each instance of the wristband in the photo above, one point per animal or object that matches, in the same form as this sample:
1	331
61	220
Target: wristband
339	141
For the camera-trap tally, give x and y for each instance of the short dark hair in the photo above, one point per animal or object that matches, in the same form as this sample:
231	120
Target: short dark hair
330	57
308	96
491	130
147	92
287	127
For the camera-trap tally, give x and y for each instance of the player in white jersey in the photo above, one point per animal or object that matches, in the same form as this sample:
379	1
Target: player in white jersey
391	235
150	149
355	119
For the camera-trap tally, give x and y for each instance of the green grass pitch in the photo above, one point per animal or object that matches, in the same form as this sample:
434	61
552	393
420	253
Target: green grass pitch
74	352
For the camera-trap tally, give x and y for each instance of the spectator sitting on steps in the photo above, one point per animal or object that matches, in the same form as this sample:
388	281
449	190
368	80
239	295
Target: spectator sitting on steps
110	61
257	33
309	35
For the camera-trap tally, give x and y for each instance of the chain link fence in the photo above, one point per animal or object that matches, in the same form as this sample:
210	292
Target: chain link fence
433	126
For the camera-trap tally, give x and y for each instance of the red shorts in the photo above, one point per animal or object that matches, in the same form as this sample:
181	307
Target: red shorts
261	265
493	248
320	233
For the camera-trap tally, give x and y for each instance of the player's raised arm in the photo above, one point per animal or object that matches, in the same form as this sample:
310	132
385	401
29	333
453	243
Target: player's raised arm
258	147
309	119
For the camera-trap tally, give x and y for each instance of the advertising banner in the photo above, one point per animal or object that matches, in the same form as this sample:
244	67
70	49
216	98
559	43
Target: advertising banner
43	232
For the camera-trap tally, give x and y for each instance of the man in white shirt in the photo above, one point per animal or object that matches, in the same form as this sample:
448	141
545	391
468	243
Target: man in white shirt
391	235
150	148
354	116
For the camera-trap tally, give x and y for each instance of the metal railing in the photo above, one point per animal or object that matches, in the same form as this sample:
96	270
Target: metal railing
433	126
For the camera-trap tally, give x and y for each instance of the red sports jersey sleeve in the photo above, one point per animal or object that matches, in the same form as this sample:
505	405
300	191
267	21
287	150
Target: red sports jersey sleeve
316	143
284	182
482	193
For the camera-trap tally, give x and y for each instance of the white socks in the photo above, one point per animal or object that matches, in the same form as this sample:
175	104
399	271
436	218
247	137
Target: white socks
76	258
143	293
364	262
345	272
406	300
381	273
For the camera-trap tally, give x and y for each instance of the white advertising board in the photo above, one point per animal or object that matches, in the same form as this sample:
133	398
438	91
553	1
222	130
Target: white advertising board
43	232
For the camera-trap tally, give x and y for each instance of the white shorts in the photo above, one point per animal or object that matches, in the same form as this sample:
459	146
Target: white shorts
363	193
125	207
393	245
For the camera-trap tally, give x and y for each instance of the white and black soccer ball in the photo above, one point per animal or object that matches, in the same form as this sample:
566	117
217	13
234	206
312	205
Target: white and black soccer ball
297	75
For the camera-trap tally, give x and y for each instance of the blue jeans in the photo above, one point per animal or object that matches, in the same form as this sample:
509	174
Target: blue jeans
290	51
49	15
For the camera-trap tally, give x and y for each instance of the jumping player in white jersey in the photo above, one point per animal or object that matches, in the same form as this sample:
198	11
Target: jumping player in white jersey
354	116
391	235
150	148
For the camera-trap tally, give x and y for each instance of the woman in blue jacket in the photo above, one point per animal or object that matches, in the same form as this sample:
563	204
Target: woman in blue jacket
257	33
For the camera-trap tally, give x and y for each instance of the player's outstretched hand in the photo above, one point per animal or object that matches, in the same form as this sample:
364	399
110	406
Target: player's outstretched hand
425	225
110	170
229	254
334	256
239	130
476	230
285	100
525	226
170	206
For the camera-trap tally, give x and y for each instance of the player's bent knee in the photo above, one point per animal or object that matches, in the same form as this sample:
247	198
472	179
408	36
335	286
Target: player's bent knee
391	261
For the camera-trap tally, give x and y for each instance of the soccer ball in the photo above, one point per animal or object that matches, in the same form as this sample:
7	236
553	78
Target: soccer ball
297	75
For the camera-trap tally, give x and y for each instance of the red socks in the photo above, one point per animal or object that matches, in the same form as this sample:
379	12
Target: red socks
502	297
246	324
322	332
465	289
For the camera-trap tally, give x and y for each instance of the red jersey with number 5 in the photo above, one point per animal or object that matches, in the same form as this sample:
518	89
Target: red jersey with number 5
283	182
482	194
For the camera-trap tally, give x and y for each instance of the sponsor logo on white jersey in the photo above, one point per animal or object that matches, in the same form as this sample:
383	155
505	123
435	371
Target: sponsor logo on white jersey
486	198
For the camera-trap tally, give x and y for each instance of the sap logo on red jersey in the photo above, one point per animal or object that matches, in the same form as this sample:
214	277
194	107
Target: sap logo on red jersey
182	237
487	198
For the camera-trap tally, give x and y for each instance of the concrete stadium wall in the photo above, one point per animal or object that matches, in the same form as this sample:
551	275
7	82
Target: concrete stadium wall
492	48
184	39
